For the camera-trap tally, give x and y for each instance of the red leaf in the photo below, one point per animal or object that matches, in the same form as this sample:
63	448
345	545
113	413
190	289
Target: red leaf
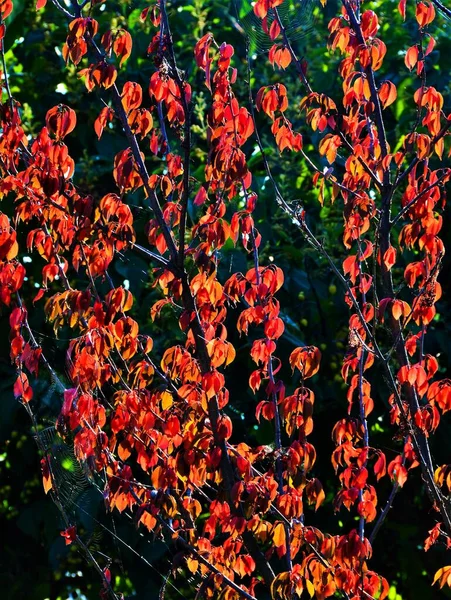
201	196
69	535
22	388
61	120
397	471
244	565
402	8
380	468
106	116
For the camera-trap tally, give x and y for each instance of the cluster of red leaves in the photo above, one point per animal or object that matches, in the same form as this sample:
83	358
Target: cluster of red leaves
131	415
357	129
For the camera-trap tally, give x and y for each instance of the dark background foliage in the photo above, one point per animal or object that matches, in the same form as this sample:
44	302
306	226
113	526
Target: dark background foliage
35	563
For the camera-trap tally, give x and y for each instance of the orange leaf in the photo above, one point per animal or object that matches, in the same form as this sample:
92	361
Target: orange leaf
278	535
397	471
387	93
106	116
122	45
46	476
132	96
307	360
192	564
6	8
411	57
389	257
425	13
328	147
443	576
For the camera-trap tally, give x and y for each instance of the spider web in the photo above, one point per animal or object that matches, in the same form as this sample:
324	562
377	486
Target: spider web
297	17
69	477
75	488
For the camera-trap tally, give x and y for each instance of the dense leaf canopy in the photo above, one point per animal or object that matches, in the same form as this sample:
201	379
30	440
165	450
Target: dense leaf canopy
37	562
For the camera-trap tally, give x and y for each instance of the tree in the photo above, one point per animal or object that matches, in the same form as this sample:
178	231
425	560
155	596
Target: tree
152	393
